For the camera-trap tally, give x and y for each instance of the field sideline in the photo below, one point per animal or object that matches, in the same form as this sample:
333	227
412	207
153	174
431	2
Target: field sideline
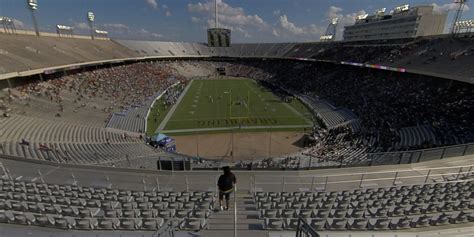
232	104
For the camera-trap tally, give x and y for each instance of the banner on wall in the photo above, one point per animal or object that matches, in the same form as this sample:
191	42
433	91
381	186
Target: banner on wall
375	66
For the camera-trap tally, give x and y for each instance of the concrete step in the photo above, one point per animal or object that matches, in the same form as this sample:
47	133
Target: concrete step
231	221
253	226
220	233
247	215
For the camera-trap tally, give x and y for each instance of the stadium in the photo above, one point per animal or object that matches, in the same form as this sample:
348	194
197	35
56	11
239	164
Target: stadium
370	135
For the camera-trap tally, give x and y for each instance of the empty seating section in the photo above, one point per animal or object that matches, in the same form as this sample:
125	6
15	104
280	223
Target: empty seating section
89	208
134	118
79	153
331	116
413	136
40	130
25	52
155	48
130	121
392	208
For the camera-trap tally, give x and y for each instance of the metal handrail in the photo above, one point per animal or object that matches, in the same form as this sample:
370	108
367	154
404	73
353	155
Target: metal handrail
167	230
377	179
391	178
235	210
422	150
362	180
304	229
364	173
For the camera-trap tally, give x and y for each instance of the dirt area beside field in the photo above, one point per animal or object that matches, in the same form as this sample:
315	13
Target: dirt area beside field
240	146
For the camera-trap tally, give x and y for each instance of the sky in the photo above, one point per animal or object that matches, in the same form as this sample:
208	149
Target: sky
187	20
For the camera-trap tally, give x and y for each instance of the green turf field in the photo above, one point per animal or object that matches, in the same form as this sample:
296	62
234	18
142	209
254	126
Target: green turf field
214	105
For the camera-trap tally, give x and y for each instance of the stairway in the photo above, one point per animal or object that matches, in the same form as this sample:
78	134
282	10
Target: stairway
247	215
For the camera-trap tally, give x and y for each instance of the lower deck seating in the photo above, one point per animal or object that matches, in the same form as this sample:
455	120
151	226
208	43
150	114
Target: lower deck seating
132	119
89	208
79	153
392	208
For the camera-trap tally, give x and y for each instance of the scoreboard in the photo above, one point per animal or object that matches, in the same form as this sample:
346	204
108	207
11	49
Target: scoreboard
218	37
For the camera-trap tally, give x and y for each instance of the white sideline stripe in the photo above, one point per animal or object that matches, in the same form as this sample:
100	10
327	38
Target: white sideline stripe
173	109
153	104
234	128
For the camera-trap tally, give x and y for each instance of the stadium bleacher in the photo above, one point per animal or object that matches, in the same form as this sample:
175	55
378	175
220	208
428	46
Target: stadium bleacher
25	52
89	208
392	208
96	117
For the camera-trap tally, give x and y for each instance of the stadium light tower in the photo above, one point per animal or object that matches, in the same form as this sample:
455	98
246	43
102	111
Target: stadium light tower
330	31
217	14
91	18
33	5
457	17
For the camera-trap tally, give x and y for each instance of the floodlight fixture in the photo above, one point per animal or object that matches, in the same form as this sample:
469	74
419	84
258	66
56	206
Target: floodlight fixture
362	17
402	8
63	30
334	21
90	16
4	19
101	33
7	24
467	24
33	4
380	12
62	27
326	37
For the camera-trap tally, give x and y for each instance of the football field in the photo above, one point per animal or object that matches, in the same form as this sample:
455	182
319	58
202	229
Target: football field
232	104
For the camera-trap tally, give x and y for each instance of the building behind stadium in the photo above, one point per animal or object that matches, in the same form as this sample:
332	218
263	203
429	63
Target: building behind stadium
401	23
